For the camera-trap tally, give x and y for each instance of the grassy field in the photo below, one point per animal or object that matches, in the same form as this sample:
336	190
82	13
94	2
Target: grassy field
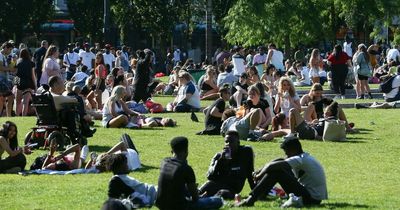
362	173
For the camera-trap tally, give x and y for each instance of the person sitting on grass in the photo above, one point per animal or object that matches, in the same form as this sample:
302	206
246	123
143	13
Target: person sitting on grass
177	182
65	161
214	113
239	91
16	161
229	169
123	186
208	87
299	173
116	113
188	98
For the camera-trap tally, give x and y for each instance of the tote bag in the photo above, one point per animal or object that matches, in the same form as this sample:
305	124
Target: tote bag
334	130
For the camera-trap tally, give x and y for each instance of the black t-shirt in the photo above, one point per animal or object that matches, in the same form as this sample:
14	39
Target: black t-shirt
174	176
262	104
233	89
234	172
117	188
213	124
24	72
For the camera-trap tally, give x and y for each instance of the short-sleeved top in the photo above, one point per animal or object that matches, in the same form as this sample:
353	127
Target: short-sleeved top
219	104
310	174
108	59
50	68
24	72
71	58
233	89
189	88
87	58
262	104
174	177
342	59
233	173
226	78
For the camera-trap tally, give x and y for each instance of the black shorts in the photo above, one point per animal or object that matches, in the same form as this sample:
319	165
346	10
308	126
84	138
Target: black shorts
102	85
305	131
362	77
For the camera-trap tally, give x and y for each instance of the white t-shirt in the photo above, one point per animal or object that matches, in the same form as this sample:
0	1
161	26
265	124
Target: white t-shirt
393	54
313	179
71	58
347	49
238	65
177	55
305	74
395	90
87	58
286	105
194	100
277	59
79	76
108	59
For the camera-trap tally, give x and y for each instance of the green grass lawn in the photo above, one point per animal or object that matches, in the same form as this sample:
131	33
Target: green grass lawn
362	173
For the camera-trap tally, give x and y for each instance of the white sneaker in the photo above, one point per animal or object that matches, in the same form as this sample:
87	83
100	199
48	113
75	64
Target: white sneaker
342	97
293	201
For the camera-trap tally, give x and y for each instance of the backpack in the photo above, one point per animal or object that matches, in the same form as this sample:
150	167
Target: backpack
386	85
154	107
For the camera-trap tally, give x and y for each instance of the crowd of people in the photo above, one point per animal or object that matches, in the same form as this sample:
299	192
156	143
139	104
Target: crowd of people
255	99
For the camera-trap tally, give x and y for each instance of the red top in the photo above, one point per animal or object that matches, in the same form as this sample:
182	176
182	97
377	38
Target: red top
101	68
342	59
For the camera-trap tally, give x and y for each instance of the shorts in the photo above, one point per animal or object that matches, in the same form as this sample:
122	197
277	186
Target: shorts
362	77
242	127
305	131
102	85
5	88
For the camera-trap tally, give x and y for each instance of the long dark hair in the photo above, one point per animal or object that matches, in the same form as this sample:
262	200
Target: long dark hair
336	51
4	132
333	108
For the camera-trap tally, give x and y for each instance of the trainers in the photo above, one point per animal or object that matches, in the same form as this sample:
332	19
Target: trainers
293	201
359	106
342	97
246	202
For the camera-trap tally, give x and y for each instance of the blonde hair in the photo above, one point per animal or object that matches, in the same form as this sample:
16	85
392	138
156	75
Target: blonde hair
117	93
314	57
50	51
292	90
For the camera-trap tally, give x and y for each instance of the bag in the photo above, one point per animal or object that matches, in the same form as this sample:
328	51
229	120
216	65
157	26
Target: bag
334	130
386	85
38	162
137	107
154	107
350	78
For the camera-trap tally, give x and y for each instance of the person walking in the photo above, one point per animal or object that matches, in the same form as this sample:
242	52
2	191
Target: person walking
339	62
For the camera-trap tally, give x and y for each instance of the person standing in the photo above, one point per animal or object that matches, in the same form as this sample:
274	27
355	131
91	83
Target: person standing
275	57
230	168
259	59
363	69
26	82
348	47
238	61
177	181
299	173
70	61
339	62
141	80
315	64
6	95
87	57
39	58
109	58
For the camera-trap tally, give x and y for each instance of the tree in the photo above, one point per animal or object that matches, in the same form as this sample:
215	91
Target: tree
88	17
19	16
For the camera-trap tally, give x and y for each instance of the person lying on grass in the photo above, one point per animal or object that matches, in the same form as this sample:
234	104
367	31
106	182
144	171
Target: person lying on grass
123	186
299	173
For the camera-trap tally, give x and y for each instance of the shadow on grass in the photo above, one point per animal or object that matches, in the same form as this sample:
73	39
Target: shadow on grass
99	149
344	205
146	168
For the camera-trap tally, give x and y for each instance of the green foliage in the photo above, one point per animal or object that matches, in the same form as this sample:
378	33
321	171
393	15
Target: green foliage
362	173
88	17
17	16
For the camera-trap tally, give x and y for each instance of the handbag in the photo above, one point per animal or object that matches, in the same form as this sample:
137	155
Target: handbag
334	130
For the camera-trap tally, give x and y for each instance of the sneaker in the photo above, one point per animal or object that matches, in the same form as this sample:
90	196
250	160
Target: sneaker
246	202
293	201
342	97
359	106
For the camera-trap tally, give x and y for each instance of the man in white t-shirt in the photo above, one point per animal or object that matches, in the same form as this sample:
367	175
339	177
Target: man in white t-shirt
393	54
305	79
177	56
275	57
238	62
87	57
299	173
348	47
109	58
70	60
